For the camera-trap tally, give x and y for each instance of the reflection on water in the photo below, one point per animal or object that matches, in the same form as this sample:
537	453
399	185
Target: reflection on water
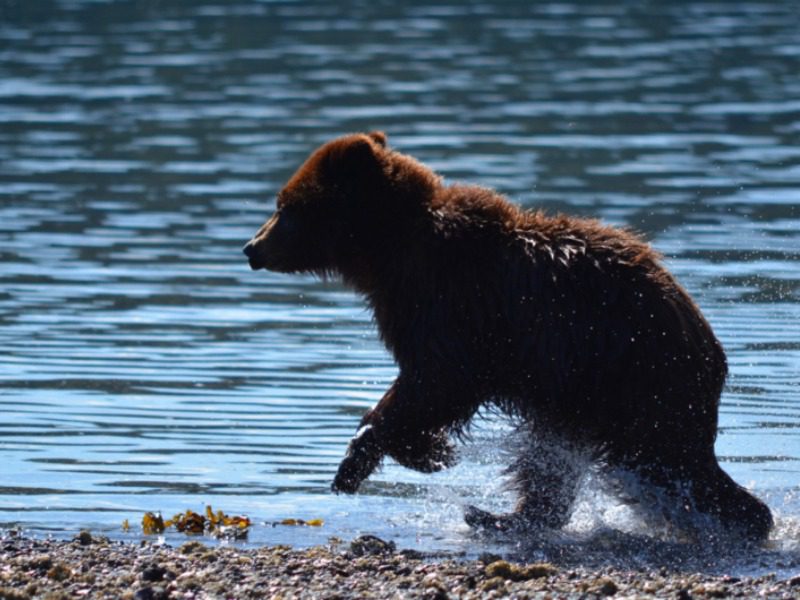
145	367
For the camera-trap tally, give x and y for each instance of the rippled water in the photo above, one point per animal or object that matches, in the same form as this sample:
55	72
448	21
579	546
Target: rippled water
145	367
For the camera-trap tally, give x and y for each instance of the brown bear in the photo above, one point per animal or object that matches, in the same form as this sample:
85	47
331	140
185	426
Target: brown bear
571	326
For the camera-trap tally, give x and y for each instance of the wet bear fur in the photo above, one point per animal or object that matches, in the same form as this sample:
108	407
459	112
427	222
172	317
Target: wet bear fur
571	326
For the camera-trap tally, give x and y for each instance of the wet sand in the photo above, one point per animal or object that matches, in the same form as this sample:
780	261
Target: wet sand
94	567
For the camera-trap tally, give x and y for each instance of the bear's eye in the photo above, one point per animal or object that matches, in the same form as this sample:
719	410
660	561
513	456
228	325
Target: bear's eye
287	220
286	212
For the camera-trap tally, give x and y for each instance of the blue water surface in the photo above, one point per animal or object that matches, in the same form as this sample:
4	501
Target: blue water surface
145	367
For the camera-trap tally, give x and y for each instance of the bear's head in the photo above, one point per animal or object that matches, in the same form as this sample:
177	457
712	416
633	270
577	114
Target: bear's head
339	206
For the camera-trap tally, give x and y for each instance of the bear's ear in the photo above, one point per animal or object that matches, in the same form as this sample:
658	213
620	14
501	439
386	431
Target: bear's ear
351	155
378	137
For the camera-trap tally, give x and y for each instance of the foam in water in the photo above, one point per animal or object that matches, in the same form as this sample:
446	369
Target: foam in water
605	529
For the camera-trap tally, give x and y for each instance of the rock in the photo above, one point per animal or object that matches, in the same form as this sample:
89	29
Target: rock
192	548
64	570
494	584
370	545
41	563
537	570
488	558
605	587
153	573
145	593
499	568
59	572
12	594
506	570
150	593
84	538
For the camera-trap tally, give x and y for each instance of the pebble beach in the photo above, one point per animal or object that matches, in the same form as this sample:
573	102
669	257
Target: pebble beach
90	566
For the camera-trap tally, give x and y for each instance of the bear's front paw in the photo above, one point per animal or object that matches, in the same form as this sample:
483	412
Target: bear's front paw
347	478
483	520
354	468
363	456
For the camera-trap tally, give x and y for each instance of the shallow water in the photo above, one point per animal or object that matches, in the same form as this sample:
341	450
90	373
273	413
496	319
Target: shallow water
145	367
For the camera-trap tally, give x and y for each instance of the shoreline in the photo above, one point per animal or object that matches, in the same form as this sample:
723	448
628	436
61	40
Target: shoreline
94	567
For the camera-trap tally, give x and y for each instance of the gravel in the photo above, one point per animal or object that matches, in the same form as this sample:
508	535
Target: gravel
94	567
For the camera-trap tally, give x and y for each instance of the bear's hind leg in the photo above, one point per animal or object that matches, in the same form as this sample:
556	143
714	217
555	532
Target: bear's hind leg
546	475
740	515
697	497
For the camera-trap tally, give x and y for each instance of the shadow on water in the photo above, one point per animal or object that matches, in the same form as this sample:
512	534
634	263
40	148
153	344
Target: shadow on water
144	367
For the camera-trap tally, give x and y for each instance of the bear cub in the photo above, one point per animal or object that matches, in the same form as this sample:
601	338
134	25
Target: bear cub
572	327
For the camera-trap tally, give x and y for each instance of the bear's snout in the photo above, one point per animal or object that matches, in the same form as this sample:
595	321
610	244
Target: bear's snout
251	252
270	246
